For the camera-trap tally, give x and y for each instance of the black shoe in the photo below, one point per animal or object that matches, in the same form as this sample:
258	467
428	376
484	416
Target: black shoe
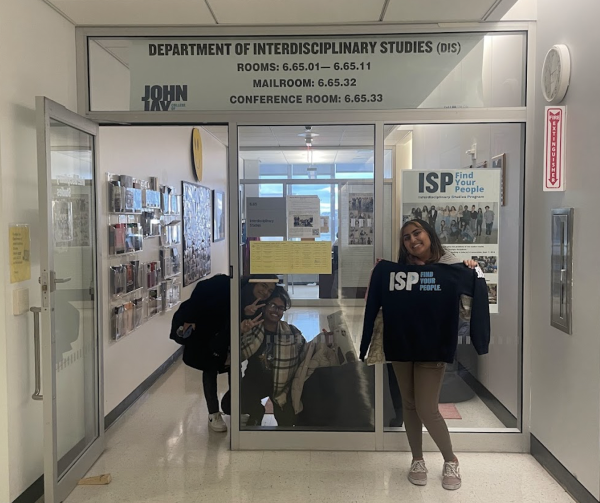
226	403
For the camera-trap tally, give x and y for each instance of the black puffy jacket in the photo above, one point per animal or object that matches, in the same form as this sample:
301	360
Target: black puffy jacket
209	309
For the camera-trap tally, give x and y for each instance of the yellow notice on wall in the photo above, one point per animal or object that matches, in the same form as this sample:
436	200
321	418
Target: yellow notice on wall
19	249
290	257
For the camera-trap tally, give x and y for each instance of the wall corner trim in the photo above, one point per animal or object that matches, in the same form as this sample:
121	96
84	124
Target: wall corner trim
120	409
558	471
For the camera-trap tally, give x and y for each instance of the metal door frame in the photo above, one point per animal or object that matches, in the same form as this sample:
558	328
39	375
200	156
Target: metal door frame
496	440
506	440
55	490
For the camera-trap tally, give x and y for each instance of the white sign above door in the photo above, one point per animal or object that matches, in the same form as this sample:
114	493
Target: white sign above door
329	73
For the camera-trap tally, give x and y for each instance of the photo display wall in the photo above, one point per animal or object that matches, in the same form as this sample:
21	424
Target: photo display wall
361	222
142	284
197	230
463	206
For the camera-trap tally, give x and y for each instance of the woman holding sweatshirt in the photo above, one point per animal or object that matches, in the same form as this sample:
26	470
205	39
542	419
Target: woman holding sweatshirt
420	382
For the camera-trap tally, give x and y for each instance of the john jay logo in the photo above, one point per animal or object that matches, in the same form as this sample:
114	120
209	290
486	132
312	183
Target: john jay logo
406	280
160	98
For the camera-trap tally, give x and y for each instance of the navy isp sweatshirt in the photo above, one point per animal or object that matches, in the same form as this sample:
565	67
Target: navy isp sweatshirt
420	310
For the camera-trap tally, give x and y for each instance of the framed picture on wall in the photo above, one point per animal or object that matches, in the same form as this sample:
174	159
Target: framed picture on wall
218	215
499	162
197	228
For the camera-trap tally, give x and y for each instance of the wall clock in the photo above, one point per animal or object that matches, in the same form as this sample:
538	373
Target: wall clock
197	154
556	74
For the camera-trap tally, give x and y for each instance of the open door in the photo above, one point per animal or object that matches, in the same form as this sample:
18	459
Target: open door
71	345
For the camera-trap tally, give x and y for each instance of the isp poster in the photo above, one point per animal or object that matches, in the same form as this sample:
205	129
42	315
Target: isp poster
463	207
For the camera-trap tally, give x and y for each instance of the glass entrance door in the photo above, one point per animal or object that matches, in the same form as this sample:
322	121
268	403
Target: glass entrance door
71	352
307	207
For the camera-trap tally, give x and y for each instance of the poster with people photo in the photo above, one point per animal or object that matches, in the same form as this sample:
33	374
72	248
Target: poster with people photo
360	227
463	207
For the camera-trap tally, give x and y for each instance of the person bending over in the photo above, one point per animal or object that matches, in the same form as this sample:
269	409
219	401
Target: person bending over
207	312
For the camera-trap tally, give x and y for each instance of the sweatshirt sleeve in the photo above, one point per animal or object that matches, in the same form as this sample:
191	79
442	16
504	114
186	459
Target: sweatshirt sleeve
371	309
480	314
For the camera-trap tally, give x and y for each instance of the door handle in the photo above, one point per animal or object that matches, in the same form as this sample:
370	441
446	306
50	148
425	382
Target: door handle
49	281
37	350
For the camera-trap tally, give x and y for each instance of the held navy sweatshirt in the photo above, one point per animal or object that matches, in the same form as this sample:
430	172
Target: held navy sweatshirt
420	310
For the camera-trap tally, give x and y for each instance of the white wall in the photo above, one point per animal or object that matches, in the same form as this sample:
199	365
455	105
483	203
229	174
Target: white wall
37	55
565	370
109	80
522	10
490	75
443	147
141	152
404	160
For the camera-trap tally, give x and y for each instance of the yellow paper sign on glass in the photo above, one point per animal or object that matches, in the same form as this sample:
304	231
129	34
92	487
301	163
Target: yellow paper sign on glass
19	250
290	257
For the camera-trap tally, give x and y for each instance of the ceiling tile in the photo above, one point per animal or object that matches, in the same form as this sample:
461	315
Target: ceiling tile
421	11
265	157
286	156
136	12
287	136
296	11
254	143
196	12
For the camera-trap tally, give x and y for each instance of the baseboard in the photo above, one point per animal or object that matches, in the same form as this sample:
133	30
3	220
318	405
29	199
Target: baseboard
33	493
563	476
120	409
487	397
36	490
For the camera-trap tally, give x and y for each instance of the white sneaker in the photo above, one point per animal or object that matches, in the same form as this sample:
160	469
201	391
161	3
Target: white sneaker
451	476
216	423
418	473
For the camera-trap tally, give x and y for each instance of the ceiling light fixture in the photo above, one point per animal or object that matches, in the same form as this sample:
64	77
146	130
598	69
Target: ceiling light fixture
308	135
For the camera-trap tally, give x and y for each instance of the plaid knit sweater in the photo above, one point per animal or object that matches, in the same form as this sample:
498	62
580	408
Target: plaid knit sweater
289	348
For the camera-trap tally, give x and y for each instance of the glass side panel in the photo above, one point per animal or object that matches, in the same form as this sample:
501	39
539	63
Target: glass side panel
74	250
478	393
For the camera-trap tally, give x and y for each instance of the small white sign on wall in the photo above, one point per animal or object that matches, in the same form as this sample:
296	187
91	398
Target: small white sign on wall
554	148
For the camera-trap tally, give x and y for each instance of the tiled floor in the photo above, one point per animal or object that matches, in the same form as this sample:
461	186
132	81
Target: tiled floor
161	451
